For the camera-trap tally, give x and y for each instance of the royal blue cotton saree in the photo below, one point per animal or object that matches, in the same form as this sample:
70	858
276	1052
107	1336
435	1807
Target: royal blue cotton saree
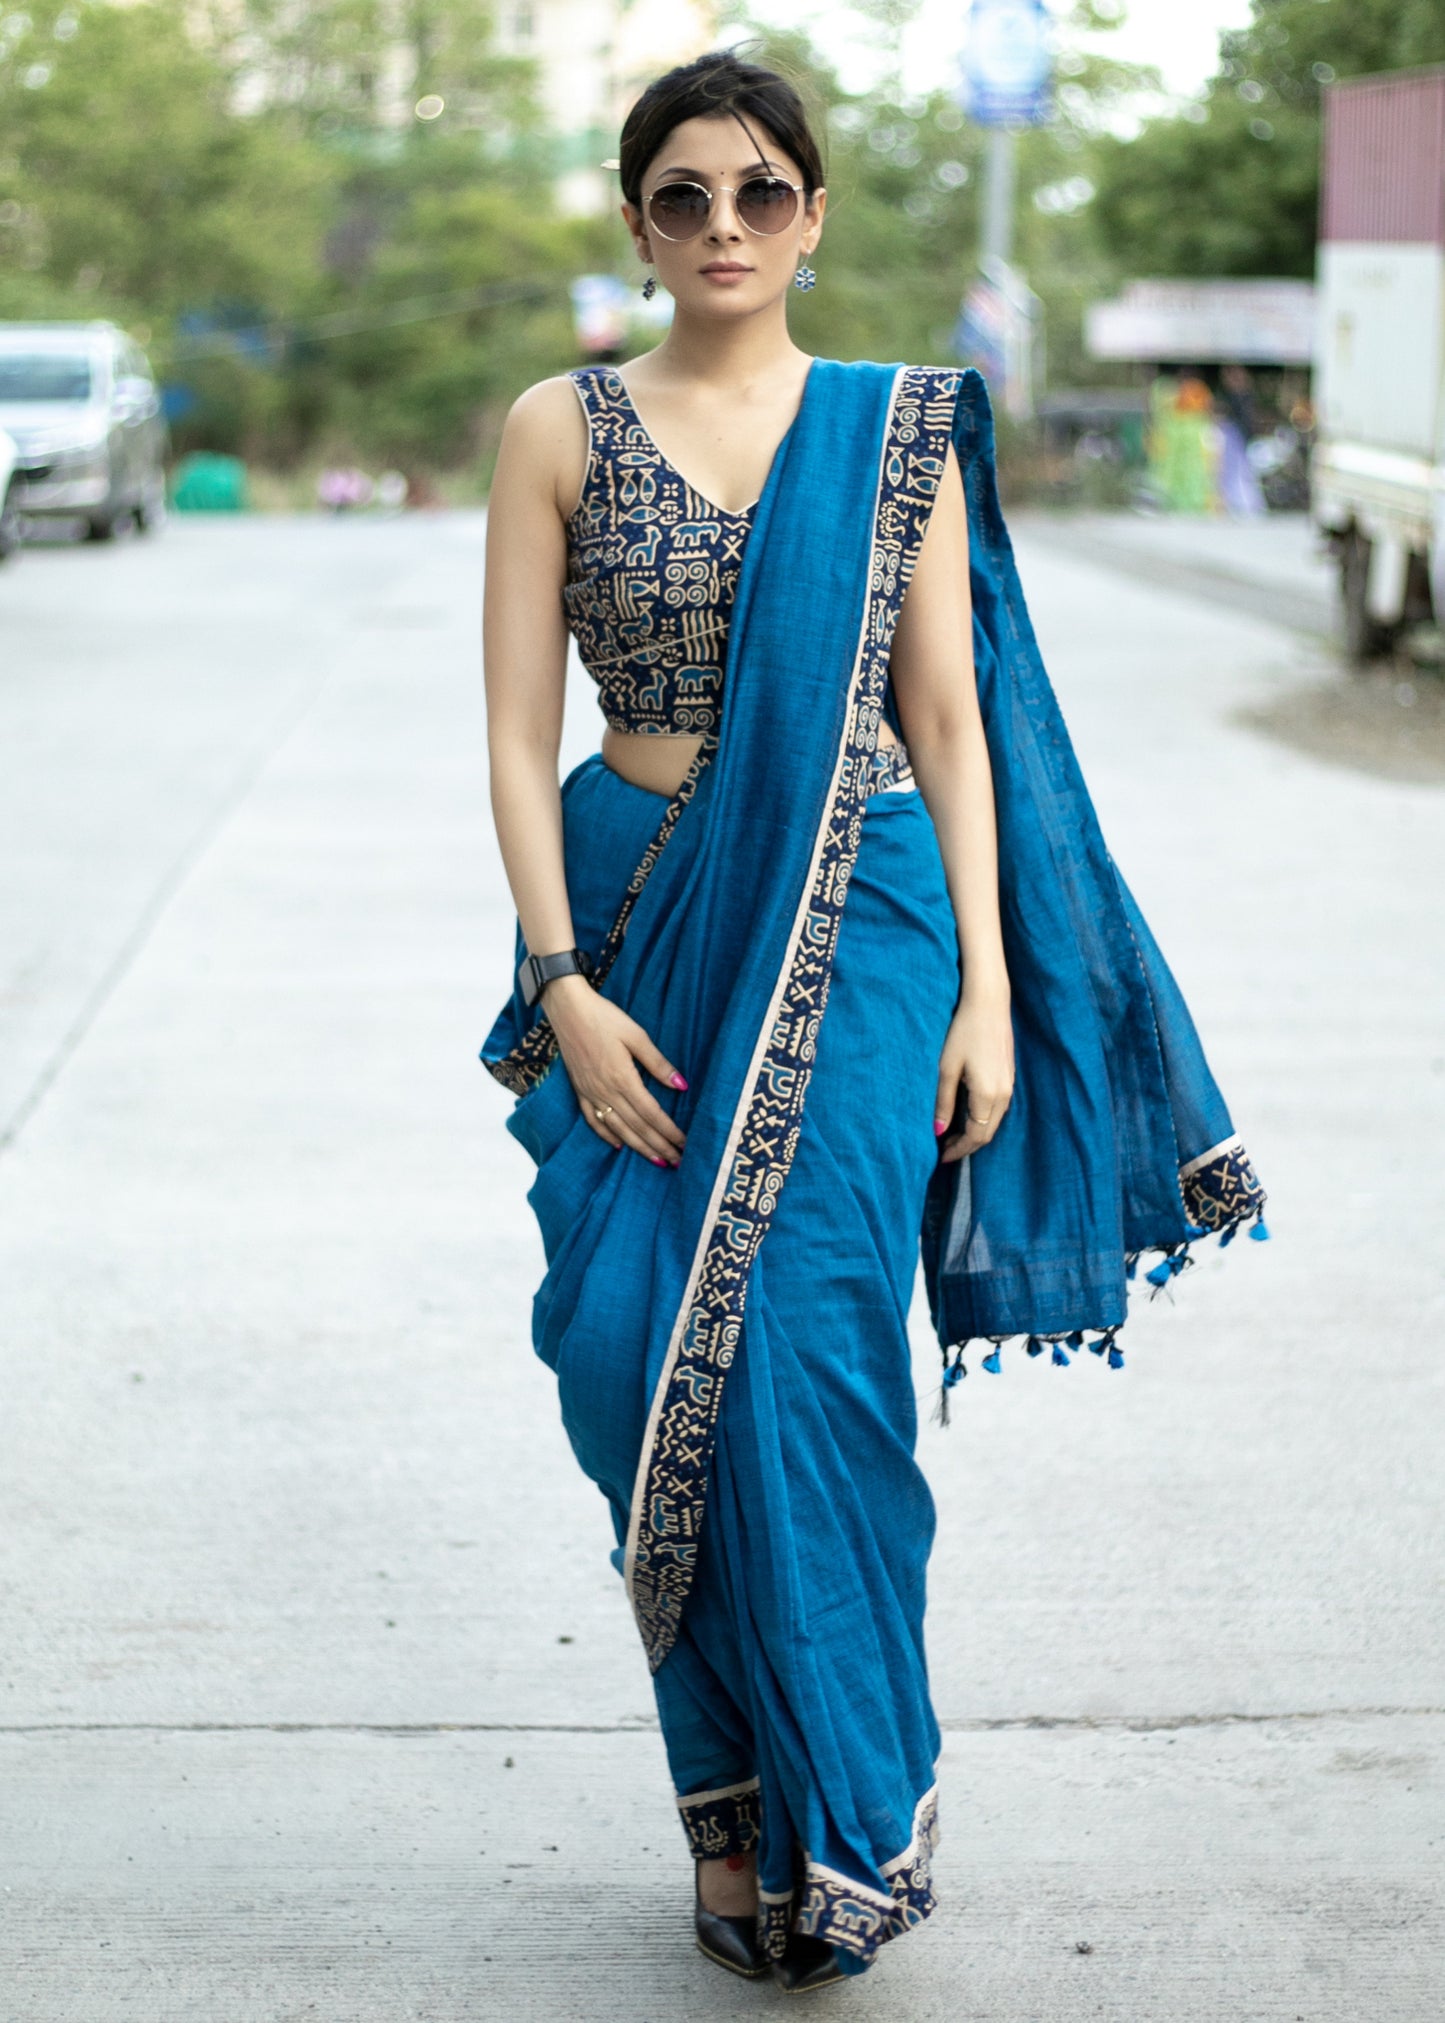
729	1338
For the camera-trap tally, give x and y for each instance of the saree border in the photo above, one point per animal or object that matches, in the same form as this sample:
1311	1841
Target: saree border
524	1067
722	1822
854	1916
670	1489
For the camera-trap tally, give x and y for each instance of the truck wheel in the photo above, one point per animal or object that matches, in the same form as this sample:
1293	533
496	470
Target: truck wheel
9	524
1364	636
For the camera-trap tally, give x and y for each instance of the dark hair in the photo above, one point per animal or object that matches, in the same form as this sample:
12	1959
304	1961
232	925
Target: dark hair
714	87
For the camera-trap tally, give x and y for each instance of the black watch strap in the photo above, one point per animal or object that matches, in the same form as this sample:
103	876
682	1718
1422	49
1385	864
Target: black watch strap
538	971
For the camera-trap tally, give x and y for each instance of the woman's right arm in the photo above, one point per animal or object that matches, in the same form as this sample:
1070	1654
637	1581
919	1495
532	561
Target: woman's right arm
525	649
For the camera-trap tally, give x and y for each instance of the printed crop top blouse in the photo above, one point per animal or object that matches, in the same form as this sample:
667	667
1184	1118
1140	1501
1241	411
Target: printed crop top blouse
652	571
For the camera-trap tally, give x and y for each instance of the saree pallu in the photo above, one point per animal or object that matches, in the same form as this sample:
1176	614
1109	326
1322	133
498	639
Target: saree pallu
746	1407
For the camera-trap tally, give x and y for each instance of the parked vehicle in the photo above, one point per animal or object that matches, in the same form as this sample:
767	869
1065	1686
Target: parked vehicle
9	494
1377	471
80	401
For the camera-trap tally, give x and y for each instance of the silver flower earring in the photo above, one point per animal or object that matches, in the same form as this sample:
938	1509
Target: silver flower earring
649	288
805	279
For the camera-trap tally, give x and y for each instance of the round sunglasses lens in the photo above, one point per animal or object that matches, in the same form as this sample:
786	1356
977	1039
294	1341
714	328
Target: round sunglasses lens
766	204
679	210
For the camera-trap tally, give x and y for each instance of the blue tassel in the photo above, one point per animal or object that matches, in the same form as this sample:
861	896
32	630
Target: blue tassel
990	1362
1259	1233
1131	1265
1061	1355
1162	1273
1229	1236
1035	1346
1097	1348
953	1373
1076	1340
1116	1358
1177	1264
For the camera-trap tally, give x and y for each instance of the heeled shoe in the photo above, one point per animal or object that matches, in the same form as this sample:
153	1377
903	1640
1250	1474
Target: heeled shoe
807	1964
727	1942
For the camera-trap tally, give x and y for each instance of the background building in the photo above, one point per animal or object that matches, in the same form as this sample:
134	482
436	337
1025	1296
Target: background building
593	58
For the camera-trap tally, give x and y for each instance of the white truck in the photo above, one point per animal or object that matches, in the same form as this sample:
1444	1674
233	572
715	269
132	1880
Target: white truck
1378	470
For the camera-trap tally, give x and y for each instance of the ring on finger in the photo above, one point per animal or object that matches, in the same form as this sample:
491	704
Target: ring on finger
605	1111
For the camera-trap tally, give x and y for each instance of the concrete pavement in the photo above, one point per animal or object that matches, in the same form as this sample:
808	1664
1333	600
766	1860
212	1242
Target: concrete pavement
1276	568
319	1696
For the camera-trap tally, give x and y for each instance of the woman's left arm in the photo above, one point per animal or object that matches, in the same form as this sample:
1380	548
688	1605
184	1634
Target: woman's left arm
933	680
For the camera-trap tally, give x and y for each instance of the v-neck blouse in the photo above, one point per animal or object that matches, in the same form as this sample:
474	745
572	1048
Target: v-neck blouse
652	572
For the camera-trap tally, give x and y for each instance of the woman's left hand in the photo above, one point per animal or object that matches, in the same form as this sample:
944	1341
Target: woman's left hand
976	1073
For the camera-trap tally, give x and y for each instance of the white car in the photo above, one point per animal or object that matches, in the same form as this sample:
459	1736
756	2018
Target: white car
9	498
81	403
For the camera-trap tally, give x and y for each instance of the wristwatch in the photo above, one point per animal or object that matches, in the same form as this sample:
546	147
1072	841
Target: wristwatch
538	971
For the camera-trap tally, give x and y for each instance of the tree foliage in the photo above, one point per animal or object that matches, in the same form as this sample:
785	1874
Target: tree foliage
1230	185
319	271
125	185
235	185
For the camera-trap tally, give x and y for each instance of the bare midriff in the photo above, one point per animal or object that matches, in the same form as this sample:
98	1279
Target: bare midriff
660	764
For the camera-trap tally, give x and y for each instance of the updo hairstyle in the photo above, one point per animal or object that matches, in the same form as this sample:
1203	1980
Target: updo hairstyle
712	87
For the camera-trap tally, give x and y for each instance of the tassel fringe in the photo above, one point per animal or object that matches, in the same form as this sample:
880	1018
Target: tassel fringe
1101	1342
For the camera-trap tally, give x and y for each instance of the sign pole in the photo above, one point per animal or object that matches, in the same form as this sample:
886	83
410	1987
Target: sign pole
998	213
1007	68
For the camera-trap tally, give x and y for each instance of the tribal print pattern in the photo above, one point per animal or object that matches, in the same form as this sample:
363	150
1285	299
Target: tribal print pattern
719	1823
1220	1188
671	1493
523	1068
652	573
830	1907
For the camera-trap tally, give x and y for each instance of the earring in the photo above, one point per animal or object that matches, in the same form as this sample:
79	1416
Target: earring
649	288
805	279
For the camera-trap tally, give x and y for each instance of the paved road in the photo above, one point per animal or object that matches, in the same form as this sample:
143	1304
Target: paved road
1276	568
319	1697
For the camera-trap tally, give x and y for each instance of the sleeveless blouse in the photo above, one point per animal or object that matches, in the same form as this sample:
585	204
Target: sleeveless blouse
652	571
652	574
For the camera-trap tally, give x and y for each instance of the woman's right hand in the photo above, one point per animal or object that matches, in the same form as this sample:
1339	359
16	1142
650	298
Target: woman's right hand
603	1051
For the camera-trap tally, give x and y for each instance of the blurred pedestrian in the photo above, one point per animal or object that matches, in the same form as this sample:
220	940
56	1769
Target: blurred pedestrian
343	490
1239	492
728	528
1182	443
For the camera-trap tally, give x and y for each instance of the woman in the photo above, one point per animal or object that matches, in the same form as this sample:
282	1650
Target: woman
770	958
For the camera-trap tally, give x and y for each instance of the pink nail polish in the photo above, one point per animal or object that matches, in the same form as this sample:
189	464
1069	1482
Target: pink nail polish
679	1081
938	1129
658	1162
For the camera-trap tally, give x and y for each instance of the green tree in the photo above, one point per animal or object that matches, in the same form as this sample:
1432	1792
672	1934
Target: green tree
432	223
1230	185
126	186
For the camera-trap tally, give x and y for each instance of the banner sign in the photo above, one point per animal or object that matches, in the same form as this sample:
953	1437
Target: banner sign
1008	63
1205	323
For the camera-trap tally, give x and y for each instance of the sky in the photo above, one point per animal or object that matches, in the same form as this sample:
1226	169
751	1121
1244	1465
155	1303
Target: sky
1180	36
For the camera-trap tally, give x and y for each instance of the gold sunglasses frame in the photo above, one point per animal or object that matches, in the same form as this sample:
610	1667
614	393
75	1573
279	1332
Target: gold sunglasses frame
731	189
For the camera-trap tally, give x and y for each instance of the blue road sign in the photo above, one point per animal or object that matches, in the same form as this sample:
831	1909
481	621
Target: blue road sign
1008	63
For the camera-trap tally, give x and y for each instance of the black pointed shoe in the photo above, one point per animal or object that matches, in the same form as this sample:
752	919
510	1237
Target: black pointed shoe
728	1942
807	1964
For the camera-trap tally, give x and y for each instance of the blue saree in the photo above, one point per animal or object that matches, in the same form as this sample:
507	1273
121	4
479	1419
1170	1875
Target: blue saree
765	1388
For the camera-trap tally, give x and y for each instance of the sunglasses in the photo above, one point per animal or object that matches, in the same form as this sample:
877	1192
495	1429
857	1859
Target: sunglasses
766	205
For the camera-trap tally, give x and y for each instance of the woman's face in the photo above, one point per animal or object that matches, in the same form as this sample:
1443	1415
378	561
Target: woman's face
726	270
